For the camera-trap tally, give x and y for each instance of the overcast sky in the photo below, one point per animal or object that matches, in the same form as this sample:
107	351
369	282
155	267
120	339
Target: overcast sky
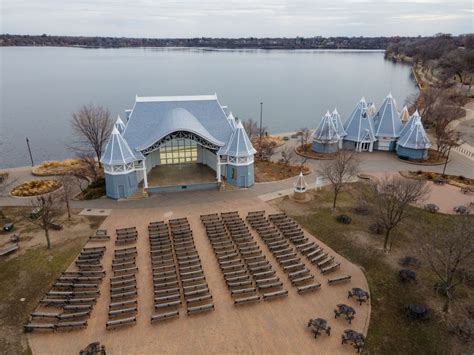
236	18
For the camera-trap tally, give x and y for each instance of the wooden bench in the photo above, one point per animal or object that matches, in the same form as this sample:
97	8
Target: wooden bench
168	304
198	309
297	281
123	295
339	279
74	315
249	299
243	290
330	268
262	275
308	288
120	322
167	298
166	291
271	285
71	325
53	315
163	316
78	307
198	299
325	262
8	250
123	304
271	295
43	326
121	311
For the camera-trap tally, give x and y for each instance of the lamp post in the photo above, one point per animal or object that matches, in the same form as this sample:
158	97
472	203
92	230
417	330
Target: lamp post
261	115
29	151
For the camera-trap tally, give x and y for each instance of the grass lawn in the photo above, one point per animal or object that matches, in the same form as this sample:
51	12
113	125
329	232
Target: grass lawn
390	331
28	275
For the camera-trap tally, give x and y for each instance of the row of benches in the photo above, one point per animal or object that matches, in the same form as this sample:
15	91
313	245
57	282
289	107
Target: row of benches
196	293
123	305
72	295
126	235
298	274
314	253
227	255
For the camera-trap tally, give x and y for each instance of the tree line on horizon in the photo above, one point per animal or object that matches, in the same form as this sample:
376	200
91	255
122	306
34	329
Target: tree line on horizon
317	42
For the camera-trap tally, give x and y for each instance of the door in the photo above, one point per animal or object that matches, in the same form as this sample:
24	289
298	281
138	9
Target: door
365	147
121	190
242	181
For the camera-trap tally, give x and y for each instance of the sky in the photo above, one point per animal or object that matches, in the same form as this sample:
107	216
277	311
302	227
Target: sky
236	18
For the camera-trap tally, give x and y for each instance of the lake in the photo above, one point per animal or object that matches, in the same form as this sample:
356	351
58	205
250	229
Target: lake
42	86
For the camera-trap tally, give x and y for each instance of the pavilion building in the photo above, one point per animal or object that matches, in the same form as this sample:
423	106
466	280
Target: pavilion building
360	129
413	143
387	125
325	137
177	143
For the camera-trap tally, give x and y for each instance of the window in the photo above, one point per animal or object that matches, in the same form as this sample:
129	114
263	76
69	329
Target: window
178	151
234	174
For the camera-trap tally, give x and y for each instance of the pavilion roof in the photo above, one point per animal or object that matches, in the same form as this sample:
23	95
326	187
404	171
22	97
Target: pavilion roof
326	131
336	120
415	137
239	144
359	126
117	151
387	121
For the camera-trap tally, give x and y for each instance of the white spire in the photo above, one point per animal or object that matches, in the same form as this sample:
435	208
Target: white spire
119	124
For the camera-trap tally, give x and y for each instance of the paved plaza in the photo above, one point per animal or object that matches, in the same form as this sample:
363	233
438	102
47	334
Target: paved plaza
275	326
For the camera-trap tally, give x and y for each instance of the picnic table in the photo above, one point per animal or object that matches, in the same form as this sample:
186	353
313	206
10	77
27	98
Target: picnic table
359	294
355	338
319	324
466	190
416	311
461	210
347	311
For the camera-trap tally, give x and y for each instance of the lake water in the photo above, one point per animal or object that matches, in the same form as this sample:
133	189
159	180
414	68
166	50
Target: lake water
41	87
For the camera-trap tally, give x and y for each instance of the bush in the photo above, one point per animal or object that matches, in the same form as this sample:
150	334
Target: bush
344	219
409	261
376	228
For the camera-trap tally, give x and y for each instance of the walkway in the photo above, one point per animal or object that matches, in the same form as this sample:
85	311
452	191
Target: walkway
375	162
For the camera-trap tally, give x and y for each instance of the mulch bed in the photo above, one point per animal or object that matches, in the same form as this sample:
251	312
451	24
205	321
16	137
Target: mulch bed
270	171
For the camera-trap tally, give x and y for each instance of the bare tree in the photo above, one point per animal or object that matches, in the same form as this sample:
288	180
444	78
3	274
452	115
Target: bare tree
48	205
266	149
449	253
305	134
68	183
91	126
391	197
251	127
340	170
287	155
90	169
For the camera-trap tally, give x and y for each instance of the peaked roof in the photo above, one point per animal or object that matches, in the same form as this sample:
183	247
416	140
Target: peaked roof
153	118
300	182
411	120
404	114
386	121
336	120
326	131
239	144
359	125
415	137
119	124
117	151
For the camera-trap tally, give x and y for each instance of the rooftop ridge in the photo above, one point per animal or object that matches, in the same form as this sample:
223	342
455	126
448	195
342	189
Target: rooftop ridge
175	98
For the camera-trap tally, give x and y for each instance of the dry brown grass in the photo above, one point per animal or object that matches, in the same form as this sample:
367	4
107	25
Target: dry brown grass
57	167
35	188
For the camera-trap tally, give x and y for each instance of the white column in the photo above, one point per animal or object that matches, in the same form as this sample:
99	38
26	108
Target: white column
145	178
218	169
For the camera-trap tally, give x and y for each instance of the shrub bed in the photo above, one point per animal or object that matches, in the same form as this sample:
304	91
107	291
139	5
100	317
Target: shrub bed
35	188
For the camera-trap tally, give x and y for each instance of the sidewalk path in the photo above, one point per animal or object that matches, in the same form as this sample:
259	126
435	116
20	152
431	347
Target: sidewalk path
375	162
